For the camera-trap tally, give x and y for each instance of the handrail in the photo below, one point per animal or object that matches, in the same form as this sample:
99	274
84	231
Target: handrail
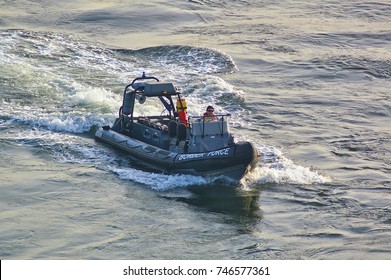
216	115
143	77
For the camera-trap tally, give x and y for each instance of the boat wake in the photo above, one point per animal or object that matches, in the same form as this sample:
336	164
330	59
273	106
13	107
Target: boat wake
159	181
66	148
277	169
273	168
59	88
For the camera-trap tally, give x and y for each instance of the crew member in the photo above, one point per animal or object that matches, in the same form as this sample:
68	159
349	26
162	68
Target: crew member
209	115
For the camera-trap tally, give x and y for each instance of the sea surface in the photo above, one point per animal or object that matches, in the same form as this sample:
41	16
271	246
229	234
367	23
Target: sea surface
308	82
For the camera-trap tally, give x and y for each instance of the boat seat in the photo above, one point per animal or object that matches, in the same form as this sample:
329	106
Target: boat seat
181	132
172	128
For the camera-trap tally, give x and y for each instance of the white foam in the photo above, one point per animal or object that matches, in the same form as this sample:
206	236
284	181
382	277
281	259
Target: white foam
189	59
159	181
275	168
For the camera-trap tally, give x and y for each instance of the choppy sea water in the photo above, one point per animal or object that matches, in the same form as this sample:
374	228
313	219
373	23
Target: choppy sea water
307	83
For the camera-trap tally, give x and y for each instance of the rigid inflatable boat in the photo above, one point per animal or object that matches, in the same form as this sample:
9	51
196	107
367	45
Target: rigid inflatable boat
173	142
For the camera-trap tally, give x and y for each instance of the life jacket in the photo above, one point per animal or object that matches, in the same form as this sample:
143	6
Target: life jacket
182	108
183	117
211	118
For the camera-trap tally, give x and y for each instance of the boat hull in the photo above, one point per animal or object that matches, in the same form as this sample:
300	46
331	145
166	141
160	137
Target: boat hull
232	162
